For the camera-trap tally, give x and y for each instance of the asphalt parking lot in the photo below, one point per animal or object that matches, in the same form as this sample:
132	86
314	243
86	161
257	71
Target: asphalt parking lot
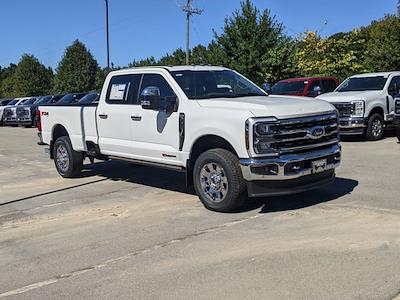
125	231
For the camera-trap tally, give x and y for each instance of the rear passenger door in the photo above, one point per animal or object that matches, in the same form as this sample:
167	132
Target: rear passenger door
114	115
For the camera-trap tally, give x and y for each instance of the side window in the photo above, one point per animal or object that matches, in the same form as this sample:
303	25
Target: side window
312	86
158	81
123	89
394	85
329	85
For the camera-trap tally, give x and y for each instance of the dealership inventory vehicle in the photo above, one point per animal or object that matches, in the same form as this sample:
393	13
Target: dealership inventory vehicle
3	104
230	138
10	111
365	103
397	116
26	113
308	87
89	98
70	98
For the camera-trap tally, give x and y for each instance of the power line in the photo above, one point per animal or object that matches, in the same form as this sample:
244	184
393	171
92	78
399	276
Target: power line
189	10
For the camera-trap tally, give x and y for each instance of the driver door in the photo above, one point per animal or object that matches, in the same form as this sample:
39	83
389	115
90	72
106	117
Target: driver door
155	133
393	91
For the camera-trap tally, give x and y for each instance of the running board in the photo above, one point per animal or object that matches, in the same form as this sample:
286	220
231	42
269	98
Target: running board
150	164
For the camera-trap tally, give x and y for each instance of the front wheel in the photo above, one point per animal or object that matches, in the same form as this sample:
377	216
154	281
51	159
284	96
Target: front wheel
375	127
218	180
68	162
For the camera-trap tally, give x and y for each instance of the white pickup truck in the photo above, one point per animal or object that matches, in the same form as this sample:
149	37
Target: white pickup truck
365	103
230	138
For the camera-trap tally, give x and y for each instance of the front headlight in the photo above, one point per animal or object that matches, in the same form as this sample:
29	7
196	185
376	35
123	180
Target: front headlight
358	108
261	131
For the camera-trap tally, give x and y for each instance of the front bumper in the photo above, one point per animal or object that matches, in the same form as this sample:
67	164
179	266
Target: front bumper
24	121
352	125
10	121
288	174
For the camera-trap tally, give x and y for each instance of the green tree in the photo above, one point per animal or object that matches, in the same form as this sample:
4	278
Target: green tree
383	45
31	78
340	55
177	58
77	71
250	38
6	82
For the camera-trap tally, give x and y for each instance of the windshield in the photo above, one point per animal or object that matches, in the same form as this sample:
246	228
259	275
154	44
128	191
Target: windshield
44	99
13	102
288	88
215	84
89	98
66	99
357	84
30	101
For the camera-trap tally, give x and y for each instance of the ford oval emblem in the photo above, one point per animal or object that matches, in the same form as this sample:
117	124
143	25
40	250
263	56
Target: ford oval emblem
316	132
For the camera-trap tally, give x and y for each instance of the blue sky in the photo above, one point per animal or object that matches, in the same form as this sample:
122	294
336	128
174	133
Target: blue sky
139	29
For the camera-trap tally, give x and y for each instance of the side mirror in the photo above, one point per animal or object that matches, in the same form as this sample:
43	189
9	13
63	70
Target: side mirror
266	87
317	90
150	98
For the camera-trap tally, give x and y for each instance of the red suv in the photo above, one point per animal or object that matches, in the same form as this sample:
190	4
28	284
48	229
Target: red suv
309	87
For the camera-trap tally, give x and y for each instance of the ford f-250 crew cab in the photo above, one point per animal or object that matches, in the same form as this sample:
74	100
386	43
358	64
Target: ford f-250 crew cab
230	138
365	103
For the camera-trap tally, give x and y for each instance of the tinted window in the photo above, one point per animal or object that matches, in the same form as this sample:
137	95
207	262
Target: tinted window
395	84
356	84
288	88
328	85
13	102
30	101
123	89
89	98
4	103
43	100
157	81
215	84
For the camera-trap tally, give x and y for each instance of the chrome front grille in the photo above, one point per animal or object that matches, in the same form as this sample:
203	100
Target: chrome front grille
299	135
23	113
344	109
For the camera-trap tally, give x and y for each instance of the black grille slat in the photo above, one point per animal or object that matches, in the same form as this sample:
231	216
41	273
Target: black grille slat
293	135
344	109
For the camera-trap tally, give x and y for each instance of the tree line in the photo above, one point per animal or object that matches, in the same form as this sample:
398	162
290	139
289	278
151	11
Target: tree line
252	42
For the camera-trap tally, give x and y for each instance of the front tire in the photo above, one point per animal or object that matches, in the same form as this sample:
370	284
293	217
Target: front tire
218	180
67	161
375	128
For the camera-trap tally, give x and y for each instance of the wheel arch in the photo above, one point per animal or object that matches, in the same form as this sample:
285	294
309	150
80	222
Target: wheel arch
58	131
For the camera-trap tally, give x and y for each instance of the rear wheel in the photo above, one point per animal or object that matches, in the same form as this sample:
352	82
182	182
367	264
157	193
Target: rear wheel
218	180
67	161
375	127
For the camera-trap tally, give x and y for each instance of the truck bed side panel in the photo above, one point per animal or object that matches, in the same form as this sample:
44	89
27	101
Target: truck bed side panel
78	121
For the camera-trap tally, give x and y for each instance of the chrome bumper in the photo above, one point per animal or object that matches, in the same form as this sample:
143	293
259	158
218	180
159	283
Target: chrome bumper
349	123
290	166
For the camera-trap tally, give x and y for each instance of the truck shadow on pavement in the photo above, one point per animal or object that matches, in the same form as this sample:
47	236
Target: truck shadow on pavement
174	181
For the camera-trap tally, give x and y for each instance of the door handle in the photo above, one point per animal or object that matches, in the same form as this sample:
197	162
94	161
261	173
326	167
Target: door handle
136	118
103	116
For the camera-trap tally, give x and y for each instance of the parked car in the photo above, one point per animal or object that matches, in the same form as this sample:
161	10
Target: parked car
26	113
365	103
3	104
230	138
308	87
10	111
90	98
70	98
397	116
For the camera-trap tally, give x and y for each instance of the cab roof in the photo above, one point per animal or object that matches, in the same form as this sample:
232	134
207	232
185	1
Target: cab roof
383	74
308	79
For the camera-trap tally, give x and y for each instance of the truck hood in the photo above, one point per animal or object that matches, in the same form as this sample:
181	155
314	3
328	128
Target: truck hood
350	96
271	106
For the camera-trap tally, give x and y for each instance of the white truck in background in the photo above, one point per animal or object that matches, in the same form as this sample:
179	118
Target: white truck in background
230	138
365	103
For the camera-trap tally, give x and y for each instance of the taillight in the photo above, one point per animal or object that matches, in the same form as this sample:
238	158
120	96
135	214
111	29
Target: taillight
38	121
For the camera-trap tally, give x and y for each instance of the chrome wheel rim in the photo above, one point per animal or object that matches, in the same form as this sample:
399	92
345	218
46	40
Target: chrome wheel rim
214	182
377	128
62	158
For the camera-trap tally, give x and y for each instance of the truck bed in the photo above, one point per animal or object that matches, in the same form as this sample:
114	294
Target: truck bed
79	120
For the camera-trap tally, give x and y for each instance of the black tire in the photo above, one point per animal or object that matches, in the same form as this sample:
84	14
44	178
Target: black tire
231	187
67	161
398	133
373	133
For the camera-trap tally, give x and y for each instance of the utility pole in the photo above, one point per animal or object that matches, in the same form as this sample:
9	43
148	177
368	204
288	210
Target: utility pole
189	12
108	37
398	8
